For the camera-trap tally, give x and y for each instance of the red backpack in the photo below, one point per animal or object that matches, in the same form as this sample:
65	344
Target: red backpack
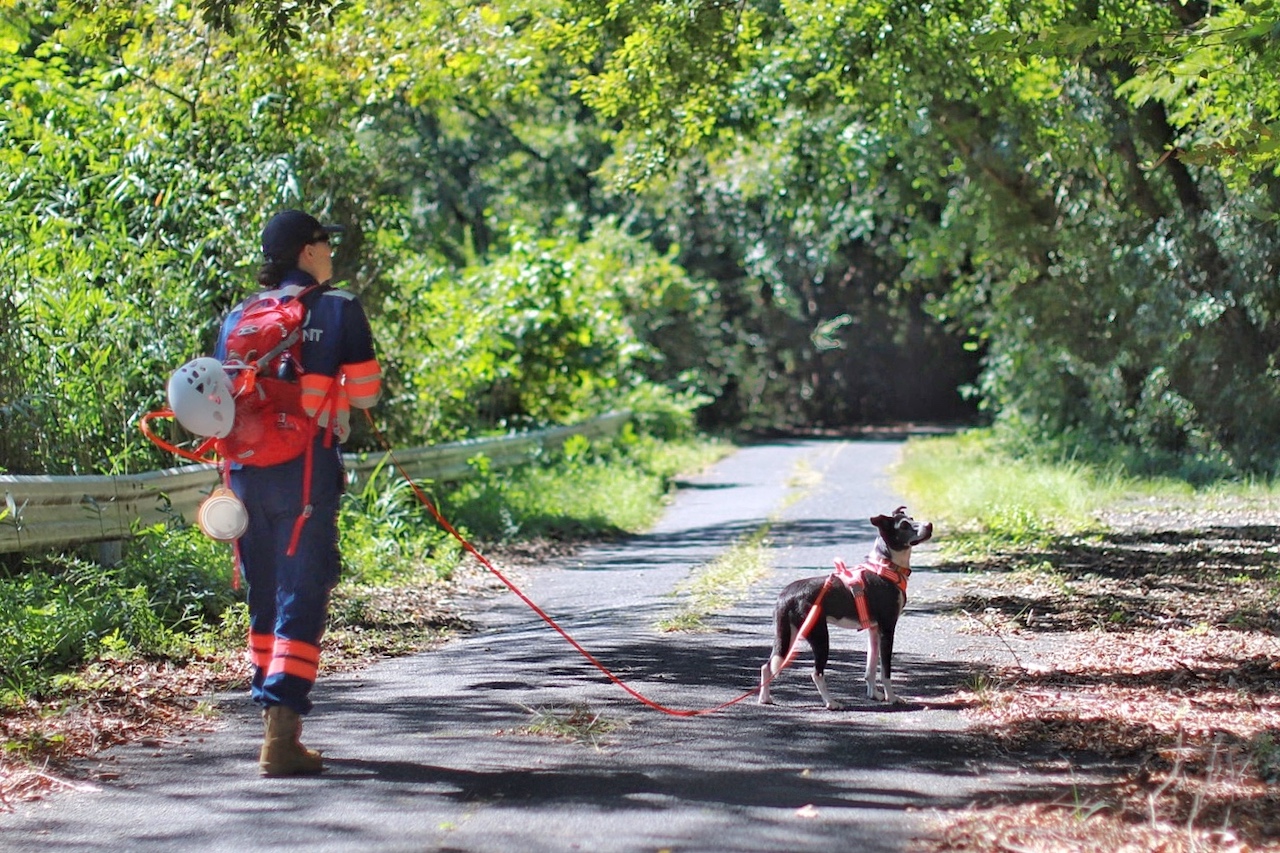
264	364
264	357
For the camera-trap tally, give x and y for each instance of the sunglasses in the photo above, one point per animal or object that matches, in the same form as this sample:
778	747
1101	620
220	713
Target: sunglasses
323	238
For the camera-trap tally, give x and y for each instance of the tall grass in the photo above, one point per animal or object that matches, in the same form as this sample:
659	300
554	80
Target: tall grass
972	487
968	482
388	536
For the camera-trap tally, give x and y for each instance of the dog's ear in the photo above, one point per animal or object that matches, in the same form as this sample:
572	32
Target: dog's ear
881	520
902	510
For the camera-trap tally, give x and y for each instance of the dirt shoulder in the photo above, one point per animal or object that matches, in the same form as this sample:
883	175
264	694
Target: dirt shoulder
1153	646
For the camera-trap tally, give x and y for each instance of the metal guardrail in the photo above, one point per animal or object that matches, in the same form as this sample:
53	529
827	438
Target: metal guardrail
54	512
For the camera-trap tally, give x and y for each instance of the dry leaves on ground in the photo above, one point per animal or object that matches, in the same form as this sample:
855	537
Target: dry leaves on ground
120	702
1156	651
47	741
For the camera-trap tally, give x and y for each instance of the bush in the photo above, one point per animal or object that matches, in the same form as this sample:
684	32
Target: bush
554	331
68	610
664	414
189	576
388	535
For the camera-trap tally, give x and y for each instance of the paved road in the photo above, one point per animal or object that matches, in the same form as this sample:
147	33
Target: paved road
422	750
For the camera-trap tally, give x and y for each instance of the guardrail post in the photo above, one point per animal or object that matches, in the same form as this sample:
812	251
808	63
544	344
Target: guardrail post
110	553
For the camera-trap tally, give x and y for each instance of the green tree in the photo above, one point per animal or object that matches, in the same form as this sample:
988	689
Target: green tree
446	137
1025	174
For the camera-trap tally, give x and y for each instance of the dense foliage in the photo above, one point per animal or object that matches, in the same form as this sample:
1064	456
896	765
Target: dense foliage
817	213
509	282
1088	191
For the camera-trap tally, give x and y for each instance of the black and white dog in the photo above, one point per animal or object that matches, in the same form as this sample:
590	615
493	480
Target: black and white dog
881	583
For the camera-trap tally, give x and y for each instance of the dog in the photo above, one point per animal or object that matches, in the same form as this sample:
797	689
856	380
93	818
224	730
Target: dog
883	582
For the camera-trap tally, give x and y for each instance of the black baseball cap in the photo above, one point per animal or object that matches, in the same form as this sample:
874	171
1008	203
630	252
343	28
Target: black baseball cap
289	231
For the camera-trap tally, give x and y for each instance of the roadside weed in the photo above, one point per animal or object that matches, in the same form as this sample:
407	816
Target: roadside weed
983	686
720	584
577	723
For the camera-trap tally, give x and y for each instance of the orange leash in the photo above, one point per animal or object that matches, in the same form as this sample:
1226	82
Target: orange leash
471	549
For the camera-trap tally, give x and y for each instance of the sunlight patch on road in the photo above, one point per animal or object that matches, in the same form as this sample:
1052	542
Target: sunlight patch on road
716	586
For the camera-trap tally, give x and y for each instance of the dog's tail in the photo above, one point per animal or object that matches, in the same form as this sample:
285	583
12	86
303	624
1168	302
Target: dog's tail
783	631
784	634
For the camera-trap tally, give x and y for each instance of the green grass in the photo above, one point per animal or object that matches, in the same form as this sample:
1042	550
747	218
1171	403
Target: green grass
720	584
966	482
591	492
390	538
981	496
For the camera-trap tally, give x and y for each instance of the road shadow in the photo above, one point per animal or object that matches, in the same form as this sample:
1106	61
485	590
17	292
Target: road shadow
1156	580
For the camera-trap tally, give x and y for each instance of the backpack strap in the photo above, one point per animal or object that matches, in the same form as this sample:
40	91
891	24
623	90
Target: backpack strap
237	561
200	454
297	333
326	407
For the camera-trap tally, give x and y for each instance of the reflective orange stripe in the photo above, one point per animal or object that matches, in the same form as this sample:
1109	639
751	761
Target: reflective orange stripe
363	382
294	657
314	388
261	648
362	371
341	410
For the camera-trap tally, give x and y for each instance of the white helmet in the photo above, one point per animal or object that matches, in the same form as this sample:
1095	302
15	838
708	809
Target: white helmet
201	397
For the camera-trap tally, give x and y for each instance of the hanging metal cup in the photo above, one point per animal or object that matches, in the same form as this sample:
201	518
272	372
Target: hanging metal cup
222	516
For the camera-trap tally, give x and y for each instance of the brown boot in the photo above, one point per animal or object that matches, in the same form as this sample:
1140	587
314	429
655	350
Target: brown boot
282	753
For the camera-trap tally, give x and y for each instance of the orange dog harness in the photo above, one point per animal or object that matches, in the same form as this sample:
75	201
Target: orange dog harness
854	579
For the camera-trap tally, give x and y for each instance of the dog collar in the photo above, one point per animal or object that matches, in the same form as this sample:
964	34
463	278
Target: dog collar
890	571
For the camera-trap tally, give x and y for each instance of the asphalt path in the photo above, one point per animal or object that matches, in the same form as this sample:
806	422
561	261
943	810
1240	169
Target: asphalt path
428	753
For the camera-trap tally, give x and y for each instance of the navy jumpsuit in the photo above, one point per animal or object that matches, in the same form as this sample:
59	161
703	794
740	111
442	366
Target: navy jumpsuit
289	594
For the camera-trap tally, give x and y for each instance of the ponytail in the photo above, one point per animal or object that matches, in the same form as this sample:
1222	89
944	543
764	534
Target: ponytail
271	273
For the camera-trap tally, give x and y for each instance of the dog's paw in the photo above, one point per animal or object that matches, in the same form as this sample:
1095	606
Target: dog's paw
764	700
834	706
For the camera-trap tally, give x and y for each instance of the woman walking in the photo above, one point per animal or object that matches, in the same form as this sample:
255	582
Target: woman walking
288	555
